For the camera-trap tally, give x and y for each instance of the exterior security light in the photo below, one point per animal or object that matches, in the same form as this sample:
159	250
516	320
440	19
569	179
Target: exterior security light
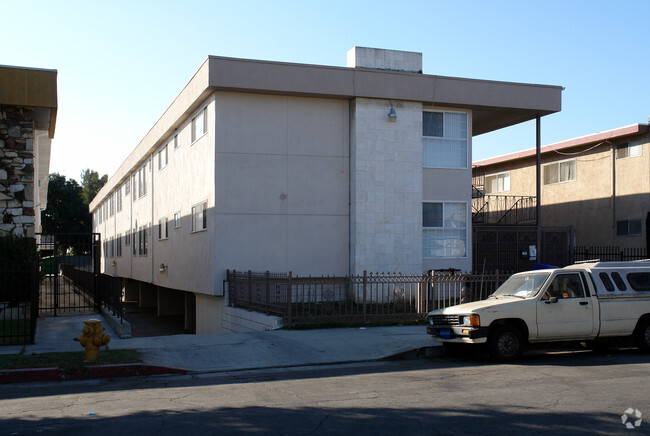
163	268
392	116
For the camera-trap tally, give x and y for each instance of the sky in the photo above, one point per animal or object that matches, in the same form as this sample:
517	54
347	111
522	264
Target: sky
121	63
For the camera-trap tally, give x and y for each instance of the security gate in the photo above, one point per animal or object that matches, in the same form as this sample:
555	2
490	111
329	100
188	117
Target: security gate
69	273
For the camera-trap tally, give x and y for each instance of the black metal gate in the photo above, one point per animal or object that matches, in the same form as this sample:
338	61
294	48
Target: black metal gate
70	273
506	248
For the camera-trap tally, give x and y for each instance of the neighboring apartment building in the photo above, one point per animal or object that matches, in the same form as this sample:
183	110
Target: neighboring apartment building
28	105
312	169
599	184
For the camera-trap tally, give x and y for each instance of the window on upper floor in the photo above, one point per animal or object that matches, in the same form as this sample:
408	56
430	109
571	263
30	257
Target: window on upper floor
560	172
175	142
629	227
134	185
199	217
444	229
495	183
142	241
444	139
162	157
177	220
199	124
142	181
118	199
127	187
162	228
136	243
127	238
626	150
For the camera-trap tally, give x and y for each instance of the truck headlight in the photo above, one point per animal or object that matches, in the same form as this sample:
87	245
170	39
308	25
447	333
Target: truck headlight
473	320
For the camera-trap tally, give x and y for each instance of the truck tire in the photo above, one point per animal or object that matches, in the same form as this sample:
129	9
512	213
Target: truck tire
642	335
506	344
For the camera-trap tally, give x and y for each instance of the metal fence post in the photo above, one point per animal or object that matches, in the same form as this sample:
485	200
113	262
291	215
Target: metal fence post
268	289
289	305
365	281
250	289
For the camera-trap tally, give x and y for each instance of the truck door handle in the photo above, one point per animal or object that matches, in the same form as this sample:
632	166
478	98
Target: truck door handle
584	303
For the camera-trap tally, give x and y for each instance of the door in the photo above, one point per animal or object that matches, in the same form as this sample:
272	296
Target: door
566	310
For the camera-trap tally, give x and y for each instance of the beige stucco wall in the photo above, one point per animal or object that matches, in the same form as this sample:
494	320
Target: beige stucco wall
282	188
589	203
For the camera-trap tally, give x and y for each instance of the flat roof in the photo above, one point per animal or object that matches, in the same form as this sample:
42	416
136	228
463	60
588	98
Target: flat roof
594	138
494	104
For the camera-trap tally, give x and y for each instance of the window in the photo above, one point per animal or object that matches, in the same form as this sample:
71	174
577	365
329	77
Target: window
606	281
118	245
565	286
142	241
142	181
620	284
628	228
199	219
560	172
177	220
175	142
162	228
127	187
111	247
497	183
198	125
100	214
134	183
136	235
127	238
640	281
625	150
118	199
444	232
444	139
162	157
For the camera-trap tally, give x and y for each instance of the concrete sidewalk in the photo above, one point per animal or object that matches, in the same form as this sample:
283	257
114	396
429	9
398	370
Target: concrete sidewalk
238	351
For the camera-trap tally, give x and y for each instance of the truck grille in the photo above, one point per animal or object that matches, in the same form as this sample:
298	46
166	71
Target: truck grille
446	320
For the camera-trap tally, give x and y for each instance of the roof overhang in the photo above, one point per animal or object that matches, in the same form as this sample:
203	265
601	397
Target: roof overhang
31	87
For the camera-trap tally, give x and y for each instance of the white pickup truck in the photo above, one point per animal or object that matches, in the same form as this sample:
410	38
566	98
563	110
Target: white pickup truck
588	302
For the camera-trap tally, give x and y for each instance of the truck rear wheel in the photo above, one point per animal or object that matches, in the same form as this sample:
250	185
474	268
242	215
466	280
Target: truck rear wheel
506	344
642	335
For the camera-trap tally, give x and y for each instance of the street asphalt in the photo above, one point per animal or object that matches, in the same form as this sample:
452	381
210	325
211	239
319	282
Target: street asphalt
241	351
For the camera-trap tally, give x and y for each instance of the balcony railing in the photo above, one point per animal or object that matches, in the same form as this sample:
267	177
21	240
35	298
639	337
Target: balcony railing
504	209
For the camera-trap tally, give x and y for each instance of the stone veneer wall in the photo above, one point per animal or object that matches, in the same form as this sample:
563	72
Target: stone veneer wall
17	170
385	187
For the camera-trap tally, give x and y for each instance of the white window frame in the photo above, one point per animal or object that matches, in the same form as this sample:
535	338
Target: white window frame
199	217
628	222
501	187
630	151
118	195
176	143
449	243
118	245
199	120
163	231
466	140
177	220
162	157
127	187
558	164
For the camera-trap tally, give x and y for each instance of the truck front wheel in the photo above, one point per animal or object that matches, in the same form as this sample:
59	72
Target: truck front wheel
506	344
642	335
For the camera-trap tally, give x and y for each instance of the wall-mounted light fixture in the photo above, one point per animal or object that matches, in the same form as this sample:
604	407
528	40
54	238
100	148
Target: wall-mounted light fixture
392	116
163	268
114	265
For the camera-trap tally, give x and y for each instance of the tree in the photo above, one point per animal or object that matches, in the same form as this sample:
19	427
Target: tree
91	183
66	212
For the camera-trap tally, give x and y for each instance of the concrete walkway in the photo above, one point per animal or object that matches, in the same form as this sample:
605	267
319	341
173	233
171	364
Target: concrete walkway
238	351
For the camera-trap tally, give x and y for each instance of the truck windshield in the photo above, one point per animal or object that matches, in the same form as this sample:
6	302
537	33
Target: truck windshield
522	285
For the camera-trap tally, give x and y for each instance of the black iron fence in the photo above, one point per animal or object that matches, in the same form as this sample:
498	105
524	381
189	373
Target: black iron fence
18	305
367	298
609	253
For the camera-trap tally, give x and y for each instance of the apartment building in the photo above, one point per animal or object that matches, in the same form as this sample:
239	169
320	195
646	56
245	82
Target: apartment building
599	184
312	169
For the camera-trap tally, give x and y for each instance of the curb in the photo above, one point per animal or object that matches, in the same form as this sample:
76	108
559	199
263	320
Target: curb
87	372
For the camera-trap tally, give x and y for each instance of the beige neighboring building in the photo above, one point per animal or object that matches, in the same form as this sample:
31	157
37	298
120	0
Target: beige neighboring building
317	170
28	106
599	184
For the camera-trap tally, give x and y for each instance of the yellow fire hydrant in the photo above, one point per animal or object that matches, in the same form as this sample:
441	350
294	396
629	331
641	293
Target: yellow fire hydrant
92	337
